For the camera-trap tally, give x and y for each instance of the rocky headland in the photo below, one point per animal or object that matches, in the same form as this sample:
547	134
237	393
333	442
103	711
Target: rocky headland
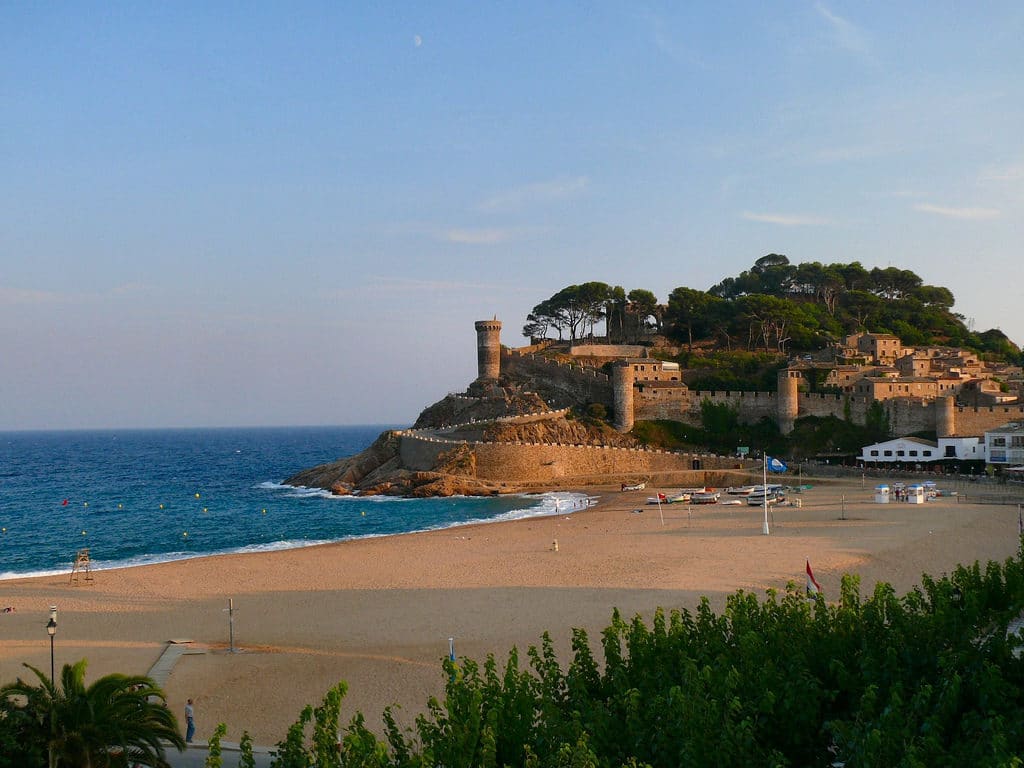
484	414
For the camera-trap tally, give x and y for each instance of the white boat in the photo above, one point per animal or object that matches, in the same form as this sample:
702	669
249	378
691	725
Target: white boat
740	490
757	498
634	487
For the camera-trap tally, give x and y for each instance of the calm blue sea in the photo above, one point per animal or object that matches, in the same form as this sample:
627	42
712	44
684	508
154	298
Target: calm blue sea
142	496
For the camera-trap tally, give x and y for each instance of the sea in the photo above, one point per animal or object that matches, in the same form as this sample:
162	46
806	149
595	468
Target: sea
136	497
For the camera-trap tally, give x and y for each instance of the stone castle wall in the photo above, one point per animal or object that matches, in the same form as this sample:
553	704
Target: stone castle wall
547	462
580	382
974	421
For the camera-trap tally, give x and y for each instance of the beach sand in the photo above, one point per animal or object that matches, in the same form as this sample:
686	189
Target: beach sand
377	613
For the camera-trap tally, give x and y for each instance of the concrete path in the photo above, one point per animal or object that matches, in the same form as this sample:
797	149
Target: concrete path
195	756
175	649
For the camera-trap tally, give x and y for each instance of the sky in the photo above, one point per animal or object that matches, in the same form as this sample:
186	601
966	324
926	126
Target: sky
245	214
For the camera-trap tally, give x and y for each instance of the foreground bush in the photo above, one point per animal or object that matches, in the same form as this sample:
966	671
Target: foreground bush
928	679
118	720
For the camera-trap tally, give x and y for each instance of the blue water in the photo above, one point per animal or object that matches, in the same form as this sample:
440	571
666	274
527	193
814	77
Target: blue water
142	496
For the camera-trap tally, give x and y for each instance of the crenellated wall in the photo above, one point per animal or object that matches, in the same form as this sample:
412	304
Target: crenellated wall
543	462
581	382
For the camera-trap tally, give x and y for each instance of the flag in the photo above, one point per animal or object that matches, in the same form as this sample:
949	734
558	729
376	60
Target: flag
775	465
662	497
813	587
64	503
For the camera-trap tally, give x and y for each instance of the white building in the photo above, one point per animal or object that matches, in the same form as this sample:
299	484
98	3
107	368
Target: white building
1004	445
962	448
905	449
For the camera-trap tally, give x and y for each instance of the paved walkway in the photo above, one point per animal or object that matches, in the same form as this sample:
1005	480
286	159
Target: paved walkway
175	649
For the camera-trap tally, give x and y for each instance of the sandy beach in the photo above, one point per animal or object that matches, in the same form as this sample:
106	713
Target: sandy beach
378	613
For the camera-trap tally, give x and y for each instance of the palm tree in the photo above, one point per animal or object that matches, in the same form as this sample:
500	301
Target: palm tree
118	720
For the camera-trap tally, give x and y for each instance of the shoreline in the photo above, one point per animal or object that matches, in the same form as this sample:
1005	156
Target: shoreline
147	560
378	612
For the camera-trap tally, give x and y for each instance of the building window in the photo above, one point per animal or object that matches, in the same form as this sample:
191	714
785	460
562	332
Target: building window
913	453
874	453
998	441
900	453
888	453
950	451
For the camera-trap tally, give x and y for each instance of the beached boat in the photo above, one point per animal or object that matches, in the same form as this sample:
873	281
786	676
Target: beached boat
634	487
757	498
678	498
706	497
739	490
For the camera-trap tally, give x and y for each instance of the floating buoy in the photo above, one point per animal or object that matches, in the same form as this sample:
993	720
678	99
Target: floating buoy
85	504
363	513
264	511
185	534
197	495
120	506
83	533
204	510
3	530
161	506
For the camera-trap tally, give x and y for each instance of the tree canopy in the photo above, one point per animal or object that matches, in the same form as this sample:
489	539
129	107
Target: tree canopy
775	306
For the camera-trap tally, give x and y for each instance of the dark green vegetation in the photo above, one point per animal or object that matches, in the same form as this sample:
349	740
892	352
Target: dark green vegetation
116	722
775	307
928	679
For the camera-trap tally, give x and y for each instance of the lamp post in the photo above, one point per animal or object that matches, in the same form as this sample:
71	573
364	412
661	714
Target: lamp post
51	630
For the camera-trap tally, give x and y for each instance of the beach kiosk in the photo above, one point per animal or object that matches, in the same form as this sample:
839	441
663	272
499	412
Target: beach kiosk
881	494
915	494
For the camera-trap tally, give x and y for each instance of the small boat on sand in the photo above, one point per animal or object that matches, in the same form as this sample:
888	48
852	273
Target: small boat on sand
706	497
634	487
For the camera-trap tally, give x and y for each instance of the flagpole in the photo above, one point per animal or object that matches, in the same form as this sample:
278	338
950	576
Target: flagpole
659	510
764	487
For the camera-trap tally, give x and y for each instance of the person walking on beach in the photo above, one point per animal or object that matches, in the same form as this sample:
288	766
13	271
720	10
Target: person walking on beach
190	722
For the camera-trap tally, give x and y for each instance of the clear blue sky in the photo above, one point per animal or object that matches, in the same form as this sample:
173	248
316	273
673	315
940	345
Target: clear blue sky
292	213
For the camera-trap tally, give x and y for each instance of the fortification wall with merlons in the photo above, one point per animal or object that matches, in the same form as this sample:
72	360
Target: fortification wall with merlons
784	406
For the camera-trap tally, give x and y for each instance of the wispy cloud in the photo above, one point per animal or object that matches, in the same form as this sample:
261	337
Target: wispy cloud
970	214
786	220
536	193
478	236
847	35
1012	172
28	296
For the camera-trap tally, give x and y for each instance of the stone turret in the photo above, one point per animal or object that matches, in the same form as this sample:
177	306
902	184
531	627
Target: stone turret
788	399
622	395
488	349
945	416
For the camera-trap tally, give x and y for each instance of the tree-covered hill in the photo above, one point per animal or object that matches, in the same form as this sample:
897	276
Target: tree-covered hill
774	306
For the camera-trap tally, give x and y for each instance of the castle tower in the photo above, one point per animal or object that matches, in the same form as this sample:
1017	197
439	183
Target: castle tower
488	349
945	416
788	399
622	395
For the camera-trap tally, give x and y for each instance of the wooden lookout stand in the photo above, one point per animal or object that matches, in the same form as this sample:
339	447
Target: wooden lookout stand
81	569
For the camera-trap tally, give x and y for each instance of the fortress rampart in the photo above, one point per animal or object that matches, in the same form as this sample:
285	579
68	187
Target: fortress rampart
546	462
579	382
629	400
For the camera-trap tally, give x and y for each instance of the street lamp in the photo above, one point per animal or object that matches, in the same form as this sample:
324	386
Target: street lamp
51	630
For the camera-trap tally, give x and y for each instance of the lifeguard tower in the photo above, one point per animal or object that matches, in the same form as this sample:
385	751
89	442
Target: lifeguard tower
81	570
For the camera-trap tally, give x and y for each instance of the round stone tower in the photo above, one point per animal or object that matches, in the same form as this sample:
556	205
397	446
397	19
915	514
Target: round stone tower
788	399
488	349
945	416
622	395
